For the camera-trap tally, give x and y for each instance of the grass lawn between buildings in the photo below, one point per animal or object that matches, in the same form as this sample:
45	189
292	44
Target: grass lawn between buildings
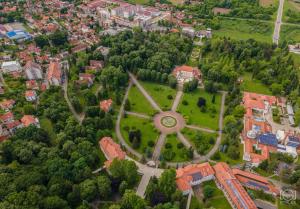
253	85
179	154
148	131
138	102
192	113
245	29
160	94
191	135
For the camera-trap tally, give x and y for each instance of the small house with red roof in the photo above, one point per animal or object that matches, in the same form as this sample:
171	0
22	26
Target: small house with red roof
193	175
106	105
30	95
28	120
7	104
111	150
32	84
186	73
13	126
7	117
54	74
86	78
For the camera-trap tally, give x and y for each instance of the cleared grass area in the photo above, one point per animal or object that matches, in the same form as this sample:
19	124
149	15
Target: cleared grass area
202	141
193	60
177	2
296	58
245	29
266	3
253	85
47	125
290	33
138	102
174	153
289	5
193	114
225	158
163	95
148	131
218	200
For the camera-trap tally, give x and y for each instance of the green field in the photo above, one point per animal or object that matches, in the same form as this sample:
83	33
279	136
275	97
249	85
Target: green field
290	33
289	5
253	85
160	94
138	102
204	145
245	29
179	154
218	200
138	1
228	160
47	125
194	115
148	131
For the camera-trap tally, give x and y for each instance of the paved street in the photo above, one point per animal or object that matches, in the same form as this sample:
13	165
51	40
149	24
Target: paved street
278	23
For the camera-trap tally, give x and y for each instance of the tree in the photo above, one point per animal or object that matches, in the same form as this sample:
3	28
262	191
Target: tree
59	38
41	41
55	202
123	187
104	186
131	201
201	102
124	170
88	189
167	183
208	191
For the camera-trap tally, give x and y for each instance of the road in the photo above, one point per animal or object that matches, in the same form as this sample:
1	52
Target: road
276	34
144	92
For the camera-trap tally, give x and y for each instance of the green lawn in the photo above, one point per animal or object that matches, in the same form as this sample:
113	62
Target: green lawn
46	124
228	160
245	29
253	85
200	140
289	5
138	102
194	115
148	131
193	60
296	58
290	33
218	200
160	94
178	154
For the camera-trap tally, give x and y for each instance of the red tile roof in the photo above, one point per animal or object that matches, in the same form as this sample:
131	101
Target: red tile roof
54	71
111	150
7	104
105	105
196	72
7	116
235	191
27	120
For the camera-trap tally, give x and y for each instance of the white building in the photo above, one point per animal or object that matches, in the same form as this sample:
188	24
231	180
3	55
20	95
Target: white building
11	67
33	71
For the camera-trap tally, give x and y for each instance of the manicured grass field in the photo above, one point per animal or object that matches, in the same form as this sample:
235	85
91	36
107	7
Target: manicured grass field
296	59
148	131
191	135
253	85
138	102
245	29
160	94
218	200
179	154
192	112
290	33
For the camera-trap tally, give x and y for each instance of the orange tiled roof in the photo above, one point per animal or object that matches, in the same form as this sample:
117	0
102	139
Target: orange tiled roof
111	149
27	120
105	105
232	186
54	71
184	175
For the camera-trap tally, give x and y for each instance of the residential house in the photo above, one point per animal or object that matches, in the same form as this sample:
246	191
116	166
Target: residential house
7	104
86	78
13	126
106	105
54	75
111	150
11	67
28	120
33	71
32	84
7	117
30	95
186	73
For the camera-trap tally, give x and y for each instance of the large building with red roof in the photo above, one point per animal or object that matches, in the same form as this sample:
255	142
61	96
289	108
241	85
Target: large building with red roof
186	73
111	150
193	175
232	188
54	74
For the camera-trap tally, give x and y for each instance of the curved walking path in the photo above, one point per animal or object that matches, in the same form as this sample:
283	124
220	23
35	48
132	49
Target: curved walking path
117	129
78	117
140	115
145	93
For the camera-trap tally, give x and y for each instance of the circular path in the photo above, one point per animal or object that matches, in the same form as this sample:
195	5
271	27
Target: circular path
169	122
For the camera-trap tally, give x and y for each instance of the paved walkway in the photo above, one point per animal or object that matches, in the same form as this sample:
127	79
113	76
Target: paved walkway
276	34
140	115
145	93
200	128
159	144
177	100
117	129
